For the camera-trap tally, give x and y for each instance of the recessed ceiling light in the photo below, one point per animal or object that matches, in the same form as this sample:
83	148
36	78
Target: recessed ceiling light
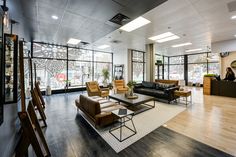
54	17
161	36
135	24
168	39
180	45
193	50
73	41
233	17
235	35
103	46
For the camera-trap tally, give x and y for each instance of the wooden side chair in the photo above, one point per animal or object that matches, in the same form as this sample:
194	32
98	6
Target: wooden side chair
120	87
93	89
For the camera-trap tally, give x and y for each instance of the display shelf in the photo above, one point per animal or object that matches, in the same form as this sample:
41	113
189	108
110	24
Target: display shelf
10	72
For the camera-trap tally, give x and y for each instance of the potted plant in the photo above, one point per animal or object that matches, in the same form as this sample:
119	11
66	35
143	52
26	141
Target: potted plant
131	85
106	75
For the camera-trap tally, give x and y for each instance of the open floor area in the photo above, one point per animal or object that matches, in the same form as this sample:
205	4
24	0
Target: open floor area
69	135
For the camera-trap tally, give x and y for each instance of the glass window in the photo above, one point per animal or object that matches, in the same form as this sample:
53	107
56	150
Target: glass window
138	72
177	60
198	58
138	56
176	72
49	51
79	73
166	60
79	54
196	72
102	57
98	67
51	73
51	62
138	66
166	72
214	68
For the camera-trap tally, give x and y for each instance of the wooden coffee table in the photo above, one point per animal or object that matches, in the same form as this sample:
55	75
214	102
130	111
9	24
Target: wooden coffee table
141	100
185	94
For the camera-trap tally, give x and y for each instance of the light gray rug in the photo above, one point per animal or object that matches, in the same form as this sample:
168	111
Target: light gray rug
145	123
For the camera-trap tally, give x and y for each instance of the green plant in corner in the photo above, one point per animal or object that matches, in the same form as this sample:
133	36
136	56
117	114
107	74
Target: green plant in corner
106	75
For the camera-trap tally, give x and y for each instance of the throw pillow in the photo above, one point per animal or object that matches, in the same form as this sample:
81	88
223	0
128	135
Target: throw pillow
163	86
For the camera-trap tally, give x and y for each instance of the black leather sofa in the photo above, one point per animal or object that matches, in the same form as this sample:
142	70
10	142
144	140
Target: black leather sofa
160	91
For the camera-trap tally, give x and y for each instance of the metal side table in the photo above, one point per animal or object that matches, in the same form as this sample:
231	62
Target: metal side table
124	116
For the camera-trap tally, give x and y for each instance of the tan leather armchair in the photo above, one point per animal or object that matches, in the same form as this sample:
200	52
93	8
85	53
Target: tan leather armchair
93	89
119	86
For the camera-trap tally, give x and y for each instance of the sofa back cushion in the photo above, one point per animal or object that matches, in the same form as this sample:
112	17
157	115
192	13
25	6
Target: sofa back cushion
163	86
92	107
176	82
148	84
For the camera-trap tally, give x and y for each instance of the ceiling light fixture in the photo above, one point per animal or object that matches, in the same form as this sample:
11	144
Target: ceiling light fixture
193	50
161	36
103	46
135	24
233	17
168	39
235	35
180	45
54	17
73	41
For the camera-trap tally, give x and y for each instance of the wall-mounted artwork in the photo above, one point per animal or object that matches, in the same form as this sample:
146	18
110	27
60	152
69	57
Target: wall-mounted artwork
119	72
233	64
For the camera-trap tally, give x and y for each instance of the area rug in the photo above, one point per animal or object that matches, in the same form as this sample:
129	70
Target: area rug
144	122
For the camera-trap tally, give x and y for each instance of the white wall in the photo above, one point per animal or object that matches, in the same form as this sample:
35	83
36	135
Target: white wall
226	61
223	46
121	57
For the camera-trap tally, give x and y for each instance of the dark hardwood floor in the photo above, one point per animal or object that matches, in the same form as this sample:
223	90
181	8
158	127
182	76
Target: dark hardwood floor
69	135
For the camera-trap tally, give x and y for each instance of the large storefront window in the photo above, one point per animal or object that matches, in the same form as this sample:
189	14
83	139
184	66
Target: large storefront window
213	63
197	67
196	72
98	67
176	68
79	73
59	66
138	66
51	73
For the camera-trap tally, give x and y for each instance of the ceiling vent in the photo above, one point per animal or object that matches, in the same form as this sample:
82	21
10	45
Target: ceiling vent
232	6
119	19
84	43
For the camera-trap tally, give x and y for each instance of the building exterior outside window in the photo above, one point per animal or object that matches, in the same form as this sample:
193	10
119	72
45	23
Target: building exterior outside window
176	68
138	66
59	66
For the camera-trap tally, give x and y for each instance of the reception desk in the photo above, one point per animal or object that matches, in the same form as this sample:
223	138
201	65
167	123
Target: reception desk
223	88
211	86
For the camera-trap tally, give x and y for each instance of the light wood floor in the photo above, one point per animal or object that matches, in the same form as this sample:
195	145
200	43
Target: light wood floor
210	120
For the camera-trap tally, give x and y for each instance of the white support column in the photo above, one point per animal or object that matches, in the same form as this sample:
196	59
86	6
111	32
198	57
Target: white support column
150	62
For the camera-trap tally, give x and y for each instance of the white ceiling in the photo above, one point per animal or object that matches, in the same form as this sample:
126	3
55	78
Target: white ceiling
201	22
